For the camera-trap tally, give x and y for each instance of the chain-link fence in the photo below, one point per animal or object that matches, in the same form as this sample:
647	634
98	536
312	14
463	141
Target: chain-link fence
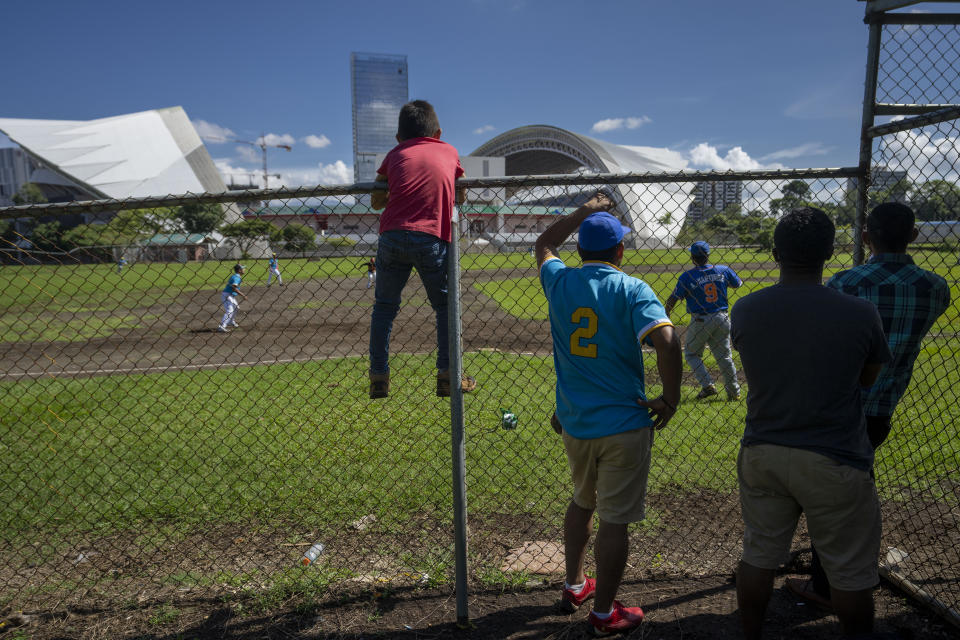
913	160
148	453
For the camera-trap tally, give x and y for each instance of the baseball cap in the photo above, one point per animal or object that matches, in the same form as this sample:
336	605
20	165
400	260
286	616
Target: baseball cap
699	248
601	231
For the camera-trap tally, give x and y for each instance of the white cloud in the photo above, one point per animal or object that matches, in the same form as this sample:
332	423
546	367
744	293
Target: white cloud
481	130
212	132
800	151
326	174
336	173
736	159
250	154
273	139
238	175
612	124
316	142
925	153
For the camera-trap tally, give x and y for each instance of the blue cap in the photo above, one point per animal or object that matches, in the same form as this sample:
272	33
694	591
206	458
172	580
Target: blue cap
601	231
699	248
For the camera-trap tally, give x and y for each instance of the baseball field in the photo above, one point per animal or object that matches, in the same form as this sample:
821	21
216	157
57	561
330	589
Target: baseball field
145	453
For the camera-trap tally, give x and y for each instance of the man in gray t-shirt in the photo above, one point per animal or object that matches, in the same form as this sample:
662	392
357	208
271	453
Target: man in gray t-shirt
806	350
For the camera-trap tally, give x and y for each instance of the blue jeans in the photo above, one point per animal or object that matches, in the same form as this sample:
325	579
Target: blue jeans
397	252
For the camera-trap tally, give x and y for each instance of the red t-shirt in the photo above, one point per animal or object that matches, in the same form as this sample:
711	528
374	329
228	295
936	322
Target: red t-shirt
421	174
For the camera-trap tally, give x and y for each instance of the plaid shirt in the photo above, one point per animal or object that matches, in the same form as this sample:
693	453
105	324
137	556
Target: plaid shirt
909	300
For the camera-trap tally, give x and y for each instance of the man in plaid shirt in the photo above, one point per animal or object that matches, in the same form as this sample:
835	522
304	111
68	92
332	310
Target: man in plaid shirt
910	300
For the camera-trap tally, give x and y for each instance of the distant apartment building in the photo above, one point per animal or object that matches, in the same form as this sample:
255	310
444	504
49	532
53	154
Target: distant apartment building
379	88
712	197
881	179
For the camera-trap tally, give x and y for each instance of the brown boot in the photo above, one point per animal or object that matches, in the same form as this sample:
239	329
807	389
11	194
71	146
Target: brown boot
467	384
379	385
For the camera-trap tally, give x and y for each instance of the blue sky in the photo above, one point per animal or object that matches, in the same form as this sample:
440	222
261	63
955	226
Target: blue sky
745	84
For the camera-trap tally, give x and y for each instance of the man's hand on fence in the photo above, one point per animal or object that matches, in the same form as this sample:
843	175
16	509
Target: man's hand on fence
661	411
555	423
599	202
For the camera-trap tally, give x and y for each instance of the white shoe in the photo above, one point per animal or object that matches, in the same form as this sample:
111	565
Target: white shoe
223	330
234	325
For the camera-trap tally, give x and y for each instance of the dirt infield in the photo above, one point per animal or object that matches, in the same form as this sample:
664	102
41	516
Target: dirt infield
301	321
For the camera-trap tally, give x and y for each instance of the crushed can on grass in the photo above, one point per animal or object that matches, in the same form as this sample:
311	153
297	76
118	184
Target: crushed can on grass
312	554
508	419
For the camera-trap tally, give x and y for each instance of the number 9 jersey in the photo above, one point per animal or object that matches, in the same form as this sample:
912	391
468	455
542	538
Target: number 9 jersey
599	316
705	288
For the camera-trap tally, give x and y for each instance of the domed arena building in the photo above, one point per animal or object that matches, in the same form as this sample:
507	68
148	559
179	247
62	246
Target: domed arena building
654	211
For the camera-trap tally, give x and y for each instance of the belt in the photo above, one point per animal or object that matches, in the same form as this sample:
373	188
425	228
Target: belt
699	317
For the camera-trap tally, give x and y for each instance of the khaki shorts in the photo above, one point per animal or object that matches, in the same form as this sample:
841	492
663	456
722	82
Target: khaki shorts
777	484
610	473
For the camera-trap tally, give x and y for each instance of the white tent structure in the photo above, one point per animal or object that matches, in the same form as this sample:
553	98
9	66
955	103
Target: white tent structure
150	153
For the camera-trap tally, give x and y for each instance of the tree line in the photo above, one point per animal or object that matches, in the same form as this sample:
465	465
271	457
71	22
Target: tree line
934	200
131	227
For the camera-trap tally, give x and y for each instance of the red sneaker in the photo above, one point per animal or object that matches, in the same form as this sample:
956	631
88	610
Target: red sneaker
571	600
622	619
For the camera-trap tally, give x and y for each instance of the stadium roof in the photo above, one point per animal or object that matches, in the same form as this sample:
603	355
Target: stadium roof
545	150
150	153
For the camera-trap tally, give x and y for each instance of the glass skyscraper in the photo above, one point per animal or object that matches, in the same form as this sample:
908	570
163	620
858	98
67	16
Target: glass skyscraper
379	87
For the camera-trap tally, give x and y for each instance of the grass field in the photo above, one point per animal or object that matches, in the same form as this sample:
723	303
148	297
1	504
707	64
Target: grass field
99	454
301	444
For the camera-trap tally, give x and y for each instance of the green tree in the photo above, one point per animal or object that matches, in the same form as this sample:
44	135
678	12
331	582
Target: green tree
45	236
897	192
126	228
794	194
246	233
200	218
298	237
936	200
29	193
797	189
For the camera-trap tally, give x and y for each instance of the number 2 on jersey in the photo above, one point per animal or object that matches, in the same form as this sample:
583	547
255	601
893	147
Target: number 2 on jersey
710	289
584	349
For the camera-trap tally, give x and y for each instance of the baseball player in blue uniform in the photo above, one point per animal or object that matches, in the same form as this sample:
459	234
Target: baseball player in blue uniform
705	289
121	263
273	270
229	297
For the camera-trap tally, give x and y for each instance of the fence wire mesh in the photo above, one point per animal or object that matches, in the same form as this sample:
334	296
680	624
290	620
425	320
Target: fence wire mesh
150	454
918	167
919	64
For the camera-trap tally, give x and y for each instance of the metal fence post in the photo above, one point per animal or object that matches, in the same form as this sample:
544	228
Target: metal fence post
866	141
456	421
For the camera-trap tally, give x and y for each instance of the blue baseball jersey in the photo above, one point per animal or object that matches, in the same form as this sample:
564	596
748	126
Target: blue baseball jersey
273	263
235	279
599	316
705	288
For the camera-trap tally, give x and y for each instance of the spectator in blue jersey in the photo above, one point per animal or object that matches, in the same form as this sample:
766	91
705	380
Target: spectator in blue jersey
273	270
229	297
705	289
599	317
910	300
